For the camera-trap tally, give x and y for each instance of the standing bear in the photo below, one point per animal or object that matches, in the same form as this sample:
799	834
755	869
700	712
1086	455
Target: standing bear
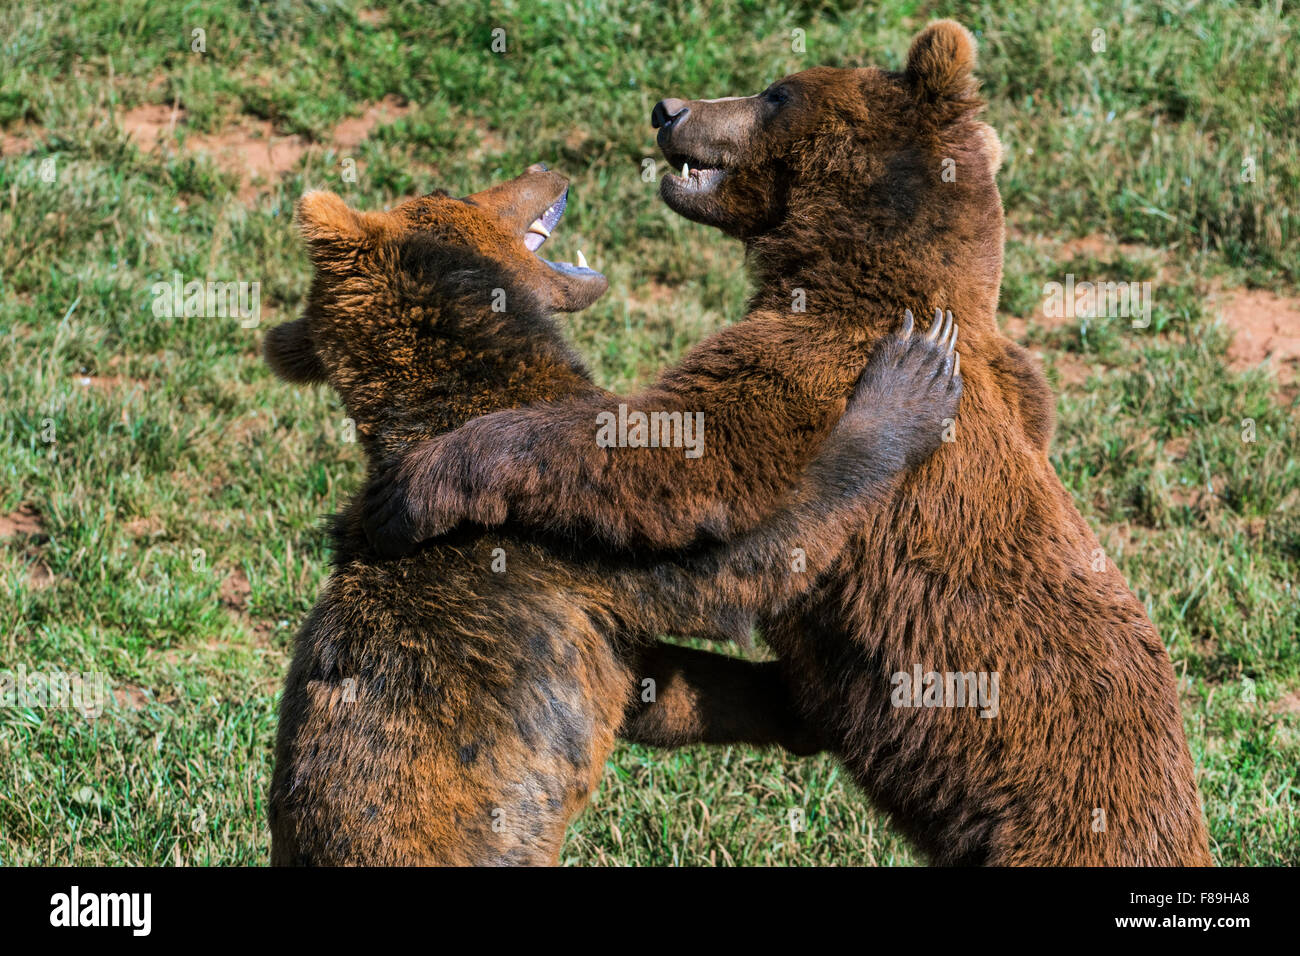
457	705
979	666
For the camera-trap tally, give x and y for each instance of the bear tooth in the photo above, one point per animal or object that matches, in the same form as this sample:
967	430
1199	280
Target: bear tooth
539	227
686	170
582	260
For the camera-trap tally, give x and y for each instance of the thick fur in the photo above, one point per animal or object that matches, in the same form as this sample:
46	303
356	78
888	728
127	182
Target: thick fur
445	709
835	179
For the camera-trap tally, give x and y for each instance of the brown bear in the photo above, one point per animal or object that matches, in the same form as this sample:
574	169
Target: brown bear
457	705
859	193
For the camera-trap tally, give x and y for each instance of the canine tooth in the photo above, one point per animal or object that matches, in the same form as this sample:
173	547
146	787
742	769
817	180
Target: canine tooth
539	227
582	260
686	170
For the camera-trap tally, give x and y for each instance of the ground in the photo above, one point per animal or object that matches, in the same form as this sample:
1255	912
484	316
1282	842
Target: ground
160	493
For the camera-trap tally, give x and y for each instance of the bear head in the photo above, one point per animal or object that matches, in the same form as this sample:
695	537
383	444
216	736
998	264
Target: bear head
438	309
744	163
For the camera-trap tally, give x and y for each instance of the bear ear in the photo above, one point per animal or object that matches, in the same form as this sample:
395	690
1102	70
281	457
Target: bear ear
335	232
291	353
941	62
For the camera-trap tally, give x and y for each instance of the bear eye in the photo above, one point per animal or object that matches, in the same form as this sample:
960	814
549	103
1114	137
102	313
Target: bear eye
776	95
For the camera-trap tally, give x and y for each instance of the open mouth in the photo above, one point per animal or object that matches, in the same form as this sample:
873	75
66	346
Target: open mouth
541	230
693	176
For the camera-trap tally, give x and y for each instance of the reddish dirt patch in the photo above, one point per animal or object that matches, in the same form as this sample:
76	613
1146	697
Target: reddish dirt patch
1266	329
1095	246
146	125
145	527
130	697
25	521
20	139
372	18
250	148
1290	704
352	132
39	574
1073	371
252	151
15	145
651	297
1196	497
1067	319
235	591
576	139
242	431
1103	248
1176	449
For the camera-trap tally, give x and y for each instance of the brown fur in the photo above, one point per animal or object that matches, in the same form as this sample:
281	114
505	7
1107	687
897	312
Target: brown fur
980	562
438	711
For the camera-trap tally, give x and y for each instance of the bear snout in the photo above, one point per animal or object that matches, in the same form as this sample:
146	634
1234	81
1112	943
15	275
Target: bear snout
666	115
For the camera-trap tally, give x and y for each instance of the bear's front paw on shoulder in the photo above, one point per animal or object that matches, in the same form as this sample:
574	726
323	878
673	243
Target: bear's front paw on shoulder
911	387
391	523
420	498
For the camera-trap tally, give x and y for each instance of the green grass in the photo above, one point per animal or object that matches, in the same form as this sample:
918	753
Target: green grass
179	545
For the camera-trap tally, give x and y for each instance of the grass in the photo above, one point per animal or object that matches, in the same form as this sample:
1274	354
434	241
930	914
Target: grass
171	530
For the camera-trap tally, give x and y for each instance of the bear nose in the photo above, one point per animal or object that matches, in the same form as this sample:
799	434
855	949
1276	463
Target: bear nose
668	113
537	168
